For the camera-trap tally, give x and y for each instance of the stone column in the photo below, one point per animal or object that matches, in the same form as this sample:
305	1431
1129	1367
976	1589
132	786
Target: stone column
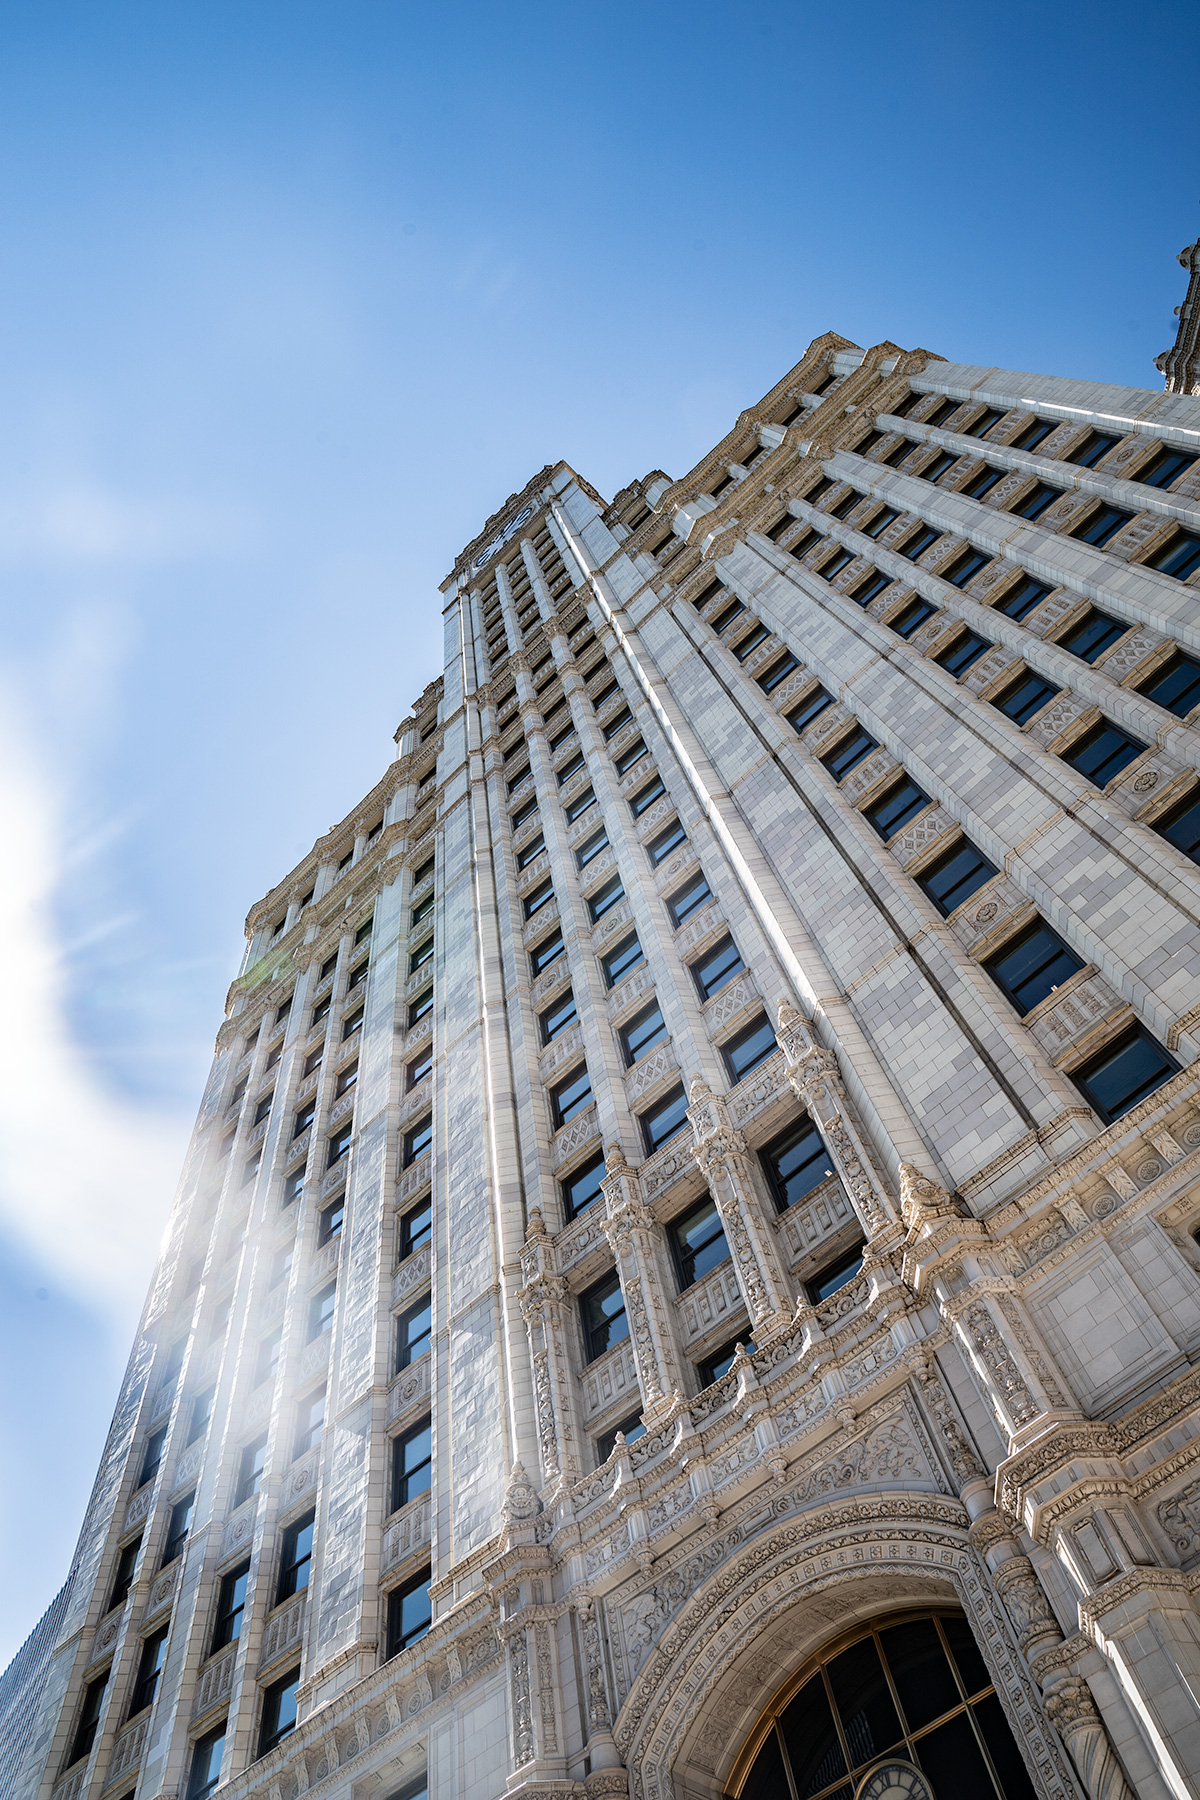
521	1580
722	1155
817	1081
544	1299
1009	1369
641	1253
608	1772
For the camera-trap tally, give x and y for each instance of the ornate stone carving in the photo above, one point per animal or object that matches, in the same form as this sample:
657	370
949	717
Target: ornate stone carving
1072	1712
1025	1602
722	1156
521	1502
1006	1385
816	1079
1180	1519
962	1458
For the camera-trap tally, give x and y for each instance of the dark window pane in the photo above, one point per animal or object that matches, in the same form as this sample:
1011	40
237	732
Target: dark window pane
956	876
963	653
154	1651
720	1363
295	1557
1095	445
766	1780
871	588
965	567
582	1187
410	1615
1176	686
1014	1778
556	1018
412	1463
1182	827
698	1242
642	1033
966	1652
729	613
919	541
250	1468
418	1140
861	1696
602	1309
895	809
205	1771
1033	504
750	641
332	1219
570	1096
413	1330
1179	556
607	895
661	1122
89	1718
627	760
123	1576
416	1227
1124	1073
953	1760
575	809
621	959
990	416
1019	601
716	968
1024	697
835	1275
911	616
660	847
1102	753
880	521
422	1005
776	672
1093	635
687	900
1102	525
795	1163
645	797
1034	434
835	565
631	1429
1032	966
921	1673
310	1423
1165	468
548	951
531	850
320	1311
748	1049
804	543
591	848
231	1606
810	1734
279	1712
810	708
849	753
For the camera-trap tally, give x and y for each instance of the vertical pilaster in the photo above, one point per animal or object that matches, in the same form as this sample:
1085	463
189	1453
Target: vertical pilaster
817	1081
724	1159
641	1256
544	1300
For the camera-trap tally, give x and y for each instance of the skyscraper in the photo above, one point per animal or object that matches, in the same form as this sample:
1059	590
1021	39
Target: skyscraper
685	1280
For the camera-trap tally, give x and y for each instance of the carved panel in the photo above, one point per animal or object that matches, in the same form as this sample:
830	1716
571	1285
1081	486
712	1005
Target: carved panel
409	1389
1084	1004
726	1005
408	1531
712	1302
283	1630
127	1751
566	1045
216	1681
998	900
411	1275
581	1237
758	1090
1054	719
817	1217
314	1357
574	1136
706	921
875	767
610	1378
300	1479
652	1069
414	1178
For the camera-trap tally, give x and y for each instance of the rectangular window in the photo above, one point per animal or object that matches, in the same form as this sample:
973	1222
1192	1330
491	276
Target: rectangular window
560	738
606	896
1124	1073
982	483
532	849
205	1773
871	588
645	797
697	1242
1181	827
664	1119
591	847
123	1575
279	1711
621	959
416	1227
984	423
941	412
571	767
417	1140
517	781
963	653
776	672
1033	504
327	967
1163	470
416	1071
412	1463
304	1118
310	1423
575	809
153	1457
752	1046
954	877
660	847
848	753
202	1407
911	617
580	1188
965	567
339	1143
606	692
154	1654
629	759
617	723
321	1010
420	956
733	611
835	1275
721	1361
320	1311
517	819
347	1078
837	562
538	897
231	1607
293	1185
919	541
1018	602
1102	753
295	1556
688	899
1035	433
178	1526
274	1056
263	1108
251	1168
894	809
570	1096
557	1017
267	1359
846	504
795	1163
716	968
631	1429
409	1614
804	543
1102	525
420	1008
1024	697
878	523
250	1469
413	1332
1092	635
602	1310
1032	965
752	639
1095	445
1174	685
330	1221
420	912
89	1718
548	951
811	707
363	932
933	471
643	1032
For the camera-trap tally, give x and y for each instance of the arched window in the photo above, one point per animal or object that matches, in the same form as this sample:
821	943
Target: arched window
910	1687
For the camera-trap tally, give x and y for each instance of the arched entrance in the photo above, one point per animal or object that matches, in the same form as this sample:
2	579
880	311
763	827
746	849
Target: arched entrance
904	1688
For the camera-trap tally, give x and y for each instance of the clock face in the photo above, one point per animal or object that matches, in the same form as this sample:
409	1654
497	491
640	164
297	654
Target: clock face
501	538
894	1779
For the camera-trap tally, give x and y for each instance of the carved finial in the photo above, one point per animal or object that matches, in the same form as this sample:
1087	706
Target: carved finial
699	1091
1180	365
789	1015
520	1496
614	1161
921	1198
536	1226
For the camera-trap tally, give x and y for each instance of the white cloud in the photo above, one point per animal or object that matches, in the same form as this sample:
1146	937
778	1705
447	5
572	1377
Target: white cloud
75	520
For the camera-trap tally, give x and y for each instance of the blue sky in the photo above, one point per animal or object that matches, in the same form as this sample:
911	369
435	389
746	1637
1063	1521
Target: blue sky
291	297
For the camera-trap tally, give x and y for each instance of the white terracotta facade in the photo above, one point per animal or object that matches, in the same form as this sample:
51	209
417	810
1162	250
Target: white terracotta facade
858	640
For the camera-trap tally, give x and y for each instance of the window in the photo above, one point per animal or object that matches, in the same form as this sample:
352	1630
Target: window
660	847
631	1429
519	779
834	1275
418	1140
153	1456
1035	433
848	753
643	1032
409	1614
532	850
416	1227
202	1407
1165	468
618	722
1102	753
339	1143
1092	635
628	759
1174	685
919	541
910	617
347	1077
123	1576
1033	504
591	847
752	1046
605	898
804	543
548	951
267	1359
250	1468
688	899
330	1221
1181	826
251	1169
984	423
295	1555
663	1120
778	671
837	562
273	1057
645	797
154	1654
1019	601
1095	445
570	1096
310	1423
420	956
321	1009
698	1242
89	1718
955	876
571	767
963	653
412	1463
364	931
320	1311
582	1187
178	1526
327	967
810	708
421	912
304	1118
752	639
413	1333
1123	1073
795	1163
982	483
293	1185
721	1361
205	1772
606	692
965	567
1032	965
871	588
1102	525
279	1711
621	959
313	1060
716	968
879	522
353	1024
846	504
734	610
933	471
1024	697
941	412
557	1017
420	1008
523	812
602	1309
538	897
231	1606
575	809
894	809
560	738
